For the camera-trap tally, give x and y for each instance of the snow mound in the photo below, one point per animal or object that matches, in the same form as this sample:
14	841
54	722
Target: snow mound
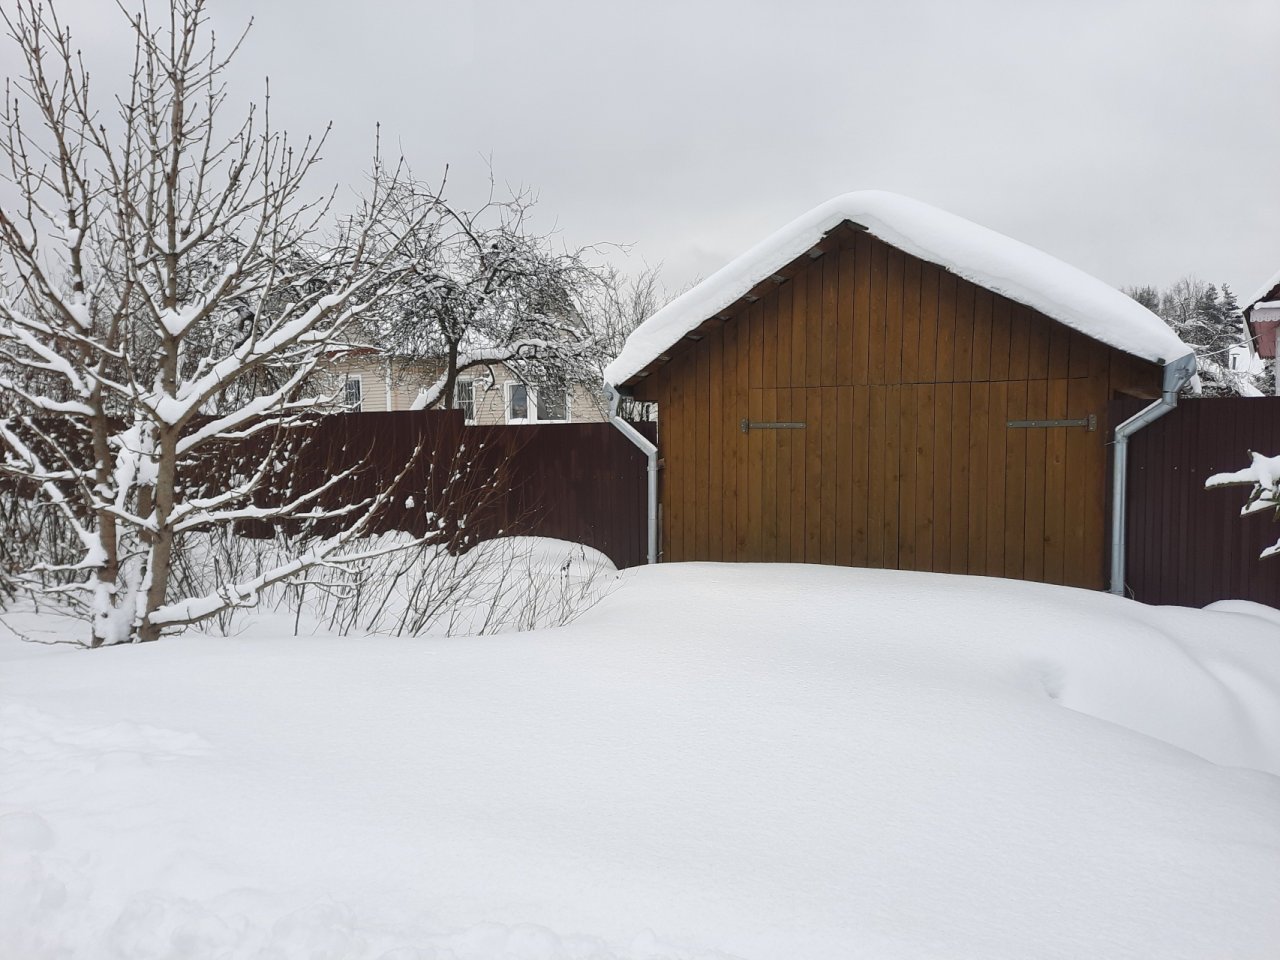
987	258
745	761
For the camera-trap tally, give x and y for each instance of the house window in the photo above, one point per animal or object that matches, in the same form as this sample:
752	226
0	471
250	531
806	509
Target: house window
553	405
517	403
353	394
1235	361
464	399
527	404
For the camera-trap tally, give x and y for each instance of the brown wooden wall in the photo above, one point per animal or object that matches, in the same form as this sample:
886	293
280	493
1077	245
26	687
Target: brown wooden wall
905	376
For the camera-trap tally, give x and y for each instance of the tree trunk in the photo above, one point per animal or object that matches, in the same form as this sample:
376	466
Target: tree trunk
450	375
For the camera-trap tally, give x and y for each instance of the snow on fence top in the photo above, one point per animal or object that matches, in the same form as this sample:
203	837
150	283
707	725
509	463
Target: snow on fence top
989	259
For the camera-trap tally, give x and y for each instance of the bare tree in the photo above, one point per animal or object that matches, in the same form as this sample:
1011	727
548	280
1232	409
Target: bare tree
1209	320
485	288
154	269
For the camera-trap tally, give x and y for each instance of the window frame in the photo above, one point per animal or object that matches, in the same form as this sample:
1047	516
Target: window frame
531	404
471	385
358	380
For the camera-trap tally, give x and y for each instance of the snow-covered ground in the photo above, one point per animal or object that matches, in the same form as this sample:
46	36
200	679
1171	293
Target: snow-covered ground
715	761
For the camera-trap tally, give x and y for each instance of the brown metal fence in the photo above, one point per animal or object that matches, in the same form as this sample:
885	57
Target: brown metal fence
1188	545
582	482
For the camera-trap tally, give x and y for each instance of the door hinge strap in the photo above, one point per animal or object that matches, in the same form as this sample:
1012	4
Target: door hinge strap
749	425
1090	422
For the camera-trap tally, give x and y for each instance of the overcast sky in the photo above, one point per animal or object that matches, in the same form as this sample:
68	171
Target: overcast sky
1137	140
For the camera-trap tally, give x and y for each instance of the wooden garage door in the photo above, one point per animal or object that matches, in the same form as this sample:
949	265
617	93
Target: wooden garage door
922	477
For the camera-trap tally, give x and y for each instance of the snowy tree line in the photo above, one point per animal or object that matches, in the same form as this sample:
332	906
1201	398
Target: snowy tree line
170	288
1208	319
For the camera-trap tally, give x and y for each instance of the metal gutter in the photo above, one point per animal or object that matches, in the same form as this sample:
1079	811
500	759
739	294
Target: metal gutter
651	454
1176	375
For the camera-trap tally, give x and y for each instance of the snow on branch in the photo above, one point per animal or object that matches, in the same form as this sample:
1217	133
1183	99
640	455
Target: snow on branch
1263	476
167	293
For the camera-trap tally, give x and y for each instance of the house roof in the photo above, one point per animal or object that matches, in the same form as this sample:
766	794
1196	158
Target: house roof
1269	291
988	259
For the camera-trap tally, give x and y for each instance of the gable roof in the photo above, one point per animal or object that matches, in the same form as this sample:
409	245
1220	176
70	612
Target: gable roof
988	259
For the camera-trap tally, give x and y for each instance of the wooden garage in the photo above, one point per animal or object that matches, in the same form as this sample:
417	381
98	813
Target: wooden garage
855	403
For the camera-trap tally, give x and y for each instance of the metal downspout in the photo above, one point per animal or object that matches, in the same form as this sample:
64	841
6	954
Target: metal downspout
1176	375
651	454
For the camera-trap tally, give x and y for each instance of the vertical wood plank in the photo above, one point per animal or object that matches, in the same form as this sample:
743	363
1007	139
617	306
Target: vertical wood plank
860	480
959	477
1038	330
1037	449
911	321
1078	355
1018	317
784	335
830	414
1081	460
861	308
798	476
979	410
689	475
814	327
946	366
782	481
830	330
1055	555
876	498
675	462
1095	487
999	348
895	268
845	321
963	365
799	329
983	301
769	355
769	478
717	420
908	460
892	474
814	518
876	313
734	410
926	454
997	434
702	451
1015	482
844	475
1059	351
942	477
927	360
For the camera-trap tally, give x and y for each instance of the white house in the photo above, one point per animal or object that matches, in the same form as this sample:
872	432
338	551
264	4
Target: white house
370	381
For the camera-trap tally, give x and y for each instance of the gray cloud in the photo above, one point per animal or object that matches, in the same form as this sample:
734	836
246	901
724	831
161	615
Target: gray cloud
1134	139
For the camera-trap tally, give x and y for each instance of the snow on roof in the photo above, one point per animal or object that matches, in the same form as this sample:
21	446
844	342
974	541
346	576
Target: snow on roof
1266	289
987	258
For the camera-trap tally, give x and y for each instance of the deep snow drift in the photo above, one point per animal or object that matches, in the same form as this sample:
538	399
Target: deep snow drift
716	761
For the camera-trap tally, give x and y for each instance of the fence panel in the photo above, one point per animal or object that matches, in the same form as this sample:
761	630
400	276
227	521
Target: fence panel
1188	545
582	482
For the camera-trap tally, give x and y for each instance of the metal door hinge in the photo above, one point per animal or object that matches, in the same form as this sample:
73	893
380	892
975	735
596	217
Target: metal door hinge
1090	423
749	425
